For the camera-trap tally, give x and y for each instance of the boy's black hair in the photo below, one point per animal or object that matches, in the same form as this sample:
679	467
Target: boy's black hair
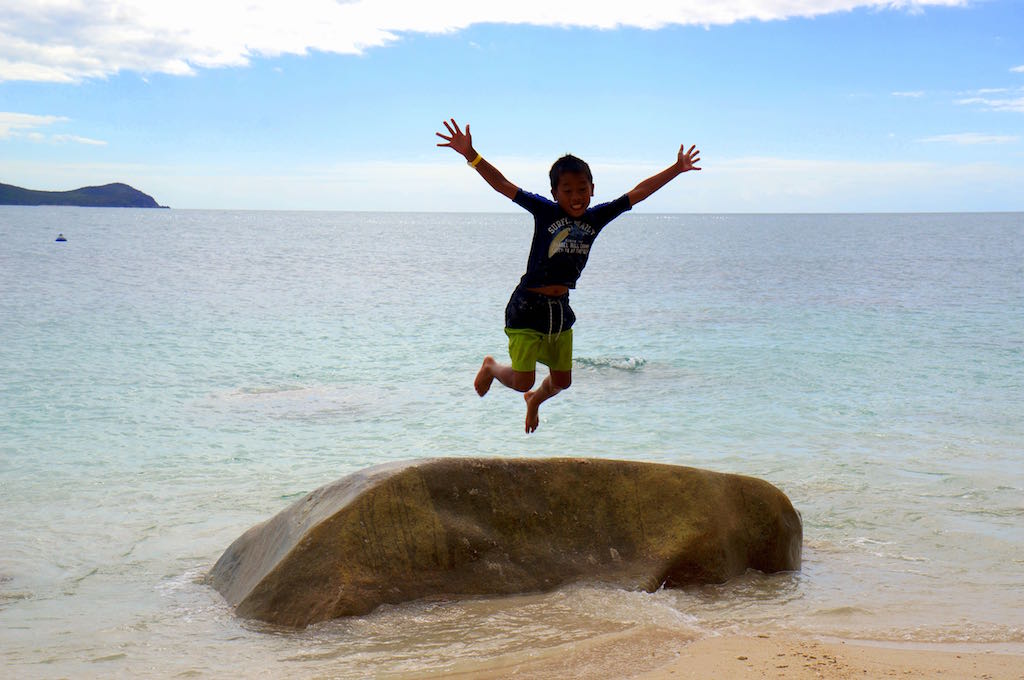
568	163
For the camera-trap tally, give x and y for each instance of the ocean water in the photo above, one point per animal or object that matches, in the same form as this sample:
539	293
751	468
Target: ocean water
169	378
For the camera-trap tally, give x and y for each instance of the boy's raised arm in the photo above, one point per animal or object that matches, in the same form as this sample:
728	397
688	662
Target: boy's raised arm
462	142
685	161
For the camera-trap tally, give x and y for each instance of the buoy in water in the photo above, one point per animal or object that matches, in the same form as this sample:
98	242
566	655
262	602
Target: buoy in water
60	238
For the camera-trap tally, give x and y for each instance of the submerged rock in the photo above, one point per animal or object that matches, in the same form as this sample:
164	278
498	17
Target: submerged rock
462	527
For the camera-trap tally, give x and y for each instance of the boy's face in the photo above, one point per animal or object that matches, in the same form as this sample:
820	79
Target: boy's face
573	193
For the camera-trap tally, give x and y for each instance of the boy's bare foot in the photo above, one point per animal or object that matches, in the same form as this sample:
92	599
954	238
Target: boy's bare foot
484	377
532	412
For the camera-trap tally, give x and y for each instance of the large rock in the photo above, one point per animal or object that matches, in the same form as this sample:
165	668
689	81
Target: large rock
455	527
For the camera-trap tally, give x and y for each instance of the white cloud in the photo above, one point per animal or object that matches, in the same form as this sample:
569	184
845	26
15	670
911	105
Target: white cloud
1015	104
1017	69
913	94
12	124
78	140
970	138
72	40
25	126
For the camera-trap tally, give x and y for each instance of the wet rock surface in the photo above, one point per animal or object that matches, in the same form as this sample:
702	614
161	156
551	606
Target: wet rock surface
465	527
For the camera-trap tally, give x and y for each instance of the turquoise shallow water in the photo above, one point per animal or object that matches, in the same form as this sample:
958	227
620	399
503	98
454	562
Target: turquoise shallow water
170	378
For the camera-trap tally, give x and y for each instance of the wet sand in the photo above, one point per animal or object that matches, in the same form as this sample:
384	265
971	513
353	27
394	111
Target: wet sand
654	653
743	658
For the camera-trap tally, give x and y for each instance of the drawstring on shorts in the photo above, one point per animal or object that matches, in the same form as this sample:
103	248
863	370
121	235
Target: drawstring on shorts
525	309
551	318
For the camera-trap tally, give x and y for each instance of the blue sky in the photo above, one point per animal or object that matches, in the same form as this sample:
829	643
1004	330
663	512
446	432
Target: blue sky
797	106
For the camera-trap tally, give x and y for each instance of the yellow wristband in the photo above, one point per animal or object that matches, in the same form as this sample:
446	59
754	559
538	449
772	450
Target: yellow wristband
473	163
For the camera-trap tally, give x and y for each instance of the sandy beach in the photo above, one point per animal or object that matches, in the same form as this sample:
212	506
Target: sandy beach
654	653
742	658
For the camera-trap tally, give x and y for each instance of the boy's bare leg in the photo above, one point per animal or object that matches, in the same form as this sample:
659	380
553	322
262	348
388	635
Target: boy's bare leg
548	388
491	369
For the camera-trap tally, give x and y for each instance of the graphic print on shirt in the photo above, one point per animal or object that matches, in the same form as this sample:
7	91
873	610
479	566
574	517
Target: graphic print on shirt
556	242
572	238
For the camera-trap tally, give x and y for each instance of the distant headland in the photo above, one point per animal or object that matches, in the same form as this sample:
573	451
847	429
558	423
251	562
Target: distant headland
115	195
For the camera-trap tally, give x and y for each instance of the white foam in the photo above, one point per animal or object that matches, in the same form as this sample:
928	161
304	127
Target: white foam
626	363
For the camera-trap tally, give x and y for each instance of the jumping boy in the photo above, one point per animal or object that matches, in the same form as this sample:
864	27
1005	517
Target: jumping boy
538	319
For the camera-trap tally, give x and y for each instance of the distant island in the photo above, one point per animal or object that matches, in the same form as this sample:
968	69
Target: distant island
115	195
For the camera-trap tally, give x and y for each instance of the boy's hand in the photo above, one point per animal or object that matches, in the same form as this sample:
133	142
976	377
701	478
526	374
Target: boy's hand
685	161
457	140
463	143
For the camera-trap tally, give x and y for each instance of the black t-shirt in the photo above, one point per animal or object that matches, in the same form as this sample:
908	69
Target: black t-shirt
561	244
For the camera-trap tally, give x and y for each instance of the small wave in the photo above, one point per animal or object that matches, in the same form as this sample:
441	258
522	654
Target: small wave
268	389
10	597
297	401
260	391
881	549
625	653
844	611
615	363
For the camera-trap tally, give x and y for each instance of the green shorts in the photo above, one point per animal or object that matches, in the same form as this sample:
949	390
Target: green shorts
526	347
